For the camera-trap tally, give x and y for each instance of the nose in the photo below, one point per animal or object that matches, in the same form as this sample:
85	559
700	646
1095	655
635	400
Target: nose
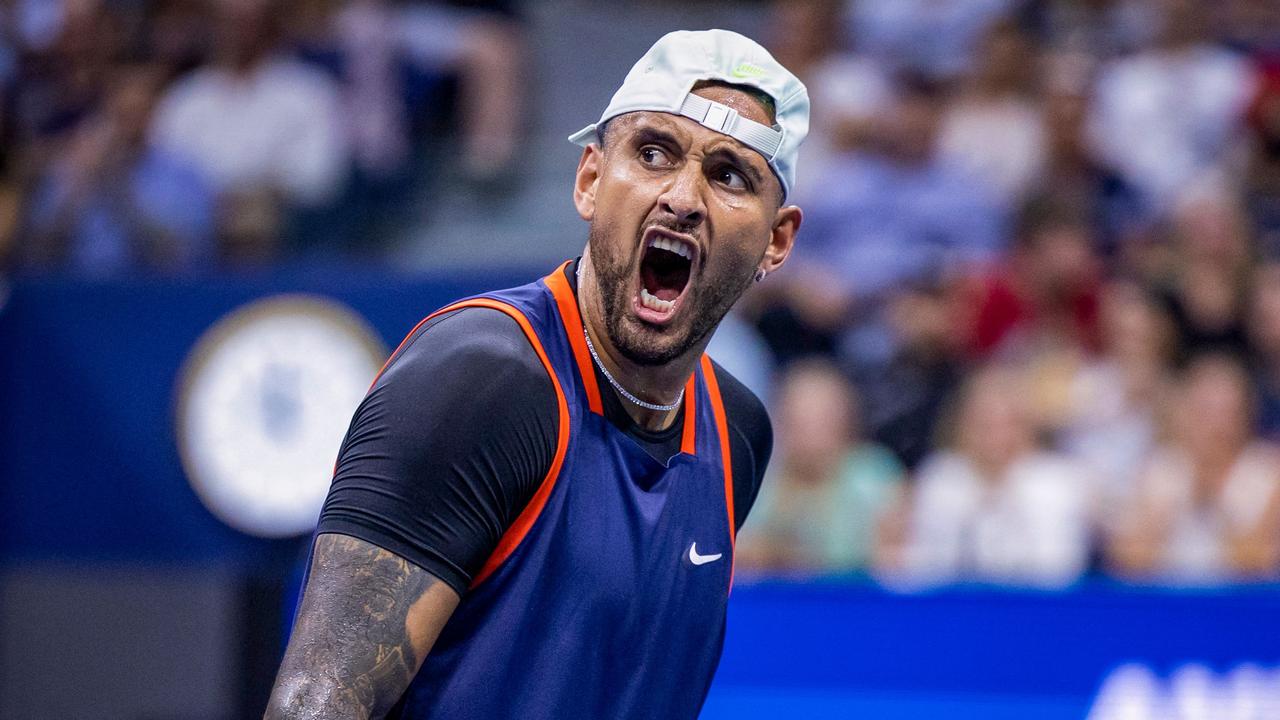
682	199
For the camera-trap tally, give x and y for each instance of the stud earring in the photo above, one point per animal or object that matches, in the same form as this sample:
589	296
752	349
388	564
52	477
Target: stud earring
760	273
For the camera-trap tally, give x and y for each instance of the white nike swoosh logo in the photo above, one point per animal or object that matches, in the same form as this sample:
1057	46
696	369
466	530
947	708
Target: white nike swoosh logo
697	559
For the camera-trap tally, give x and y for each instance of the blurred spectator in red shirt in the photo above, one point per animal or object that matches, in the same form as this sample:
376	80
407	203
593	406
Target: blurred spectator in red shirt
827	487
1207	507
992	506
1047	294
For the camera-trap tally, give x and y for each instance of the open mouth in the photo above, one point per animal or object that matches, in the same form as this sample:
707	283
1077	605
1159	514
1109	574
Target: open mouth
665	267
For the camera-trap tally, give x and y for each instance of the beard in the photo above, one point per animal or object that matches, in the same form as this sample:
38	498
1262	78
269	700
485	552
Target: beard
709	296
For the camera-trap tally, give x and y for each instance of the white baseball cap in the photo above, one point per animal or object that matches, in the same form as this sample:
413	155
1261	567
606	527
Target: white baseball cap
662	79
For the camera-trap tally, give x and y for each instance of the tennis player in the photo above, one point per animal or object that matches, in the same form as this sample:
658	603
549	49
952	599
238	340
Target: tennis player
533	512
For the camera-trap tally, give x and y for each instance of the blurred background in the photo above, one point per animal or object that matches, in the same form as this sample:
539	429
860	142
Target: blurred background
1023	367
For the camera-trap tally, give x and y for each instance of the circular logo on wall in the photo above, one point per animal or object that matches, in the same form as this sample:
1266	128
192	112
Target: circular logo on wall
264	400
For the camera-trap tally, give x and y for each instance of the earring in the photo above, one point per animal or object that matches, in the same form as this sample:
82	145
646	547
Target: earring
760	273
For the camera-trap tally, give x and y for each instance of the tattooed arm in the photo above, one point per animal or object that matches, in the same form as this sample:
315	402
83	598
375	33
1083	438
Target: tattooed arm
367	620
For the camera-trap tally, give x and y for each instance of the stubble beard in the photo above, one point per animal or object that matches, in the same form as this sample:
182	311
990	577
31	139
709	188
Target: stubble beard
708	300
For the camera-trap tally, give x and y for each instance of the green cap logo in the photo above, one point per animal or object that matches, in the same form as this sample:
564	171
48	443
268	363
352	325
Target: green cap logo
747	70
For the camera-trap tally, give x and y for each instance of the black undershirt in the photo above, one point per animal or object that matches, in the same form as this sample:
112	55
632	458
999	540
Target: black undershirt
459	432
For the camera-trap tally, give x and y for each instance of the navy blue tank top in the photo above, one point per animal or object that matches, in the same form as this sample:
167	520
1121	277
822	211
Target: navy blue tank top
606	598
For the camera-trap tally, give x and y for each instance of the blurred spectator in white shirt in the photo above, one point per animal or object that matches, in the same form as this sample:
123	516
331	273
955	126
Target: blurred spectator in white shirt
1110	415
994	126
1207	507
993	506
261	126
1169	114
827	487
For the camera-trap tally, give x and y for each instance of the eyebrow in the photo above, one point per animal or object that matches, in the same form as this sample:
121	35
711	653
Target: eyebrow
649	134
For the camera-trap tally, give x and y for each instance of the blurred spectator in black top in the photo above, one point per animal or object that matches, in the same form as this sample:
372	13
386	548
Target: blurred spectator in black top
1264	341
422	84
1073	175
110	202
1206	277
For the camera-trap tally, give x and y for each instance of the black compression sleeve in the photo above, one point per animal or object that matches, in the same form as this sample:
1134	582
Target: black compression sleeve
448	447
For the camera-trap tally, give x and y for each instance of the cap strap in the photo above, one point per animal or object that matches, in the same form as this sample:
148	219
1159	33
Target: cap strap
725	119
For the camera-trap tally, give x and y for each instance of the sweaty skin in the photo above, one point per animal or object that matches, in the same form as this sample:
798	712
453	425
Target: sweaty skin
368	616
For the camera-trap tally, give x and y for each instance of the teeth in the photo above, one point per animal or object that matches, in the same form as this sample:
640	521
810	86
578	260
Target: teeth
675	246
654	303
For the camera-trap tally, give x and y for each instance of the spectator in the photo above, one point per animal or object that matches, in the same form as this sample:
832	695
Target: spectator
850	90
1073	175
994	127
903	213
1172	113
1046	295
1098	28
828	486
992	506
1208	271
905	396
1111	402
1207	506
925	36
263	128
1262	177
1264	343
110	202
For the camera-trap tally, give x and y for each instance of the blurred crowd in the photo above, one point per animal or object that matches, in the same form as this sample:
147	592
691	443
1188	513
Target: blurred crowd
1031	330
174	136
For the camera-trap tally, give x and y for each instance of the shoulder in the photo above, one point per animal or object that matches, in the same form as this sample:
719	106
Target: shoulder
472	340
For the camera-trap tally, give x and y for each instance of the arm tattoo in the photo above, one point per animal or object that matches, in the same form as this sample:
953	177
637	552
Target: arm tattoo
350	655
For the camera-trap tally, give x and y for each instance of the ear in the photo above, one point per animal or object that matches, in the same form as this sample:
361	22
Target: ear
782	238
585	181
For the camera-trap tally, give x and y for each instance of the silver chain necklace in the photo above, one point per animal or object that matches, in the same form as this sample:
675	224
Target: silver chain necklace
616	385
623	391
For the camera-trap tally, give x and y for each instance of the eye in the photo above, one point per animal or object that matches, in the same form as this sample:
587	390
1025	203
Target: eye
654	156
731	178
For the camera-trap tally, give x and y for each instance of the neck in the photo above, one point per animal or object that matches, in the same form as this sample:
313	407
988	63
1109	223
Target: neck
657	384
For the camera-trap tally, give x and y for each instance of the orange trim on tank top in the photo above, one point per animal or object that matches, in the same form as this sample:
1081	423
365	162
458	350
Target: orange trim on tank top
516	533
726	460
567	303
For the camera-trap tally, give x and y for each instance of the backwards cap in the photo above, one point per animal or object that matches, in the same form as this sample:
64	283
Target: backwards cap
662	79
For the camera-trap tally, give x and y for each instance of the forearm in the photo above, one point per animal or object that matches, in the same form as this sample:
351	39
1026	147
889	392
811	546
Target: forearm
367	620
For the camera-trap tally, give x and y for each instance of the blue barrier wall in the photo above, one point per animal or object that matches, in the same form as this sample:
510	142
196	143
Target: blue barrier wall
90	472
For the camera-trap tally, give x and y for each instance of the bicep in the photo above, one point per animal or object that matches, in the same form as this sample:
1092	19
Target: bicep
368	619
